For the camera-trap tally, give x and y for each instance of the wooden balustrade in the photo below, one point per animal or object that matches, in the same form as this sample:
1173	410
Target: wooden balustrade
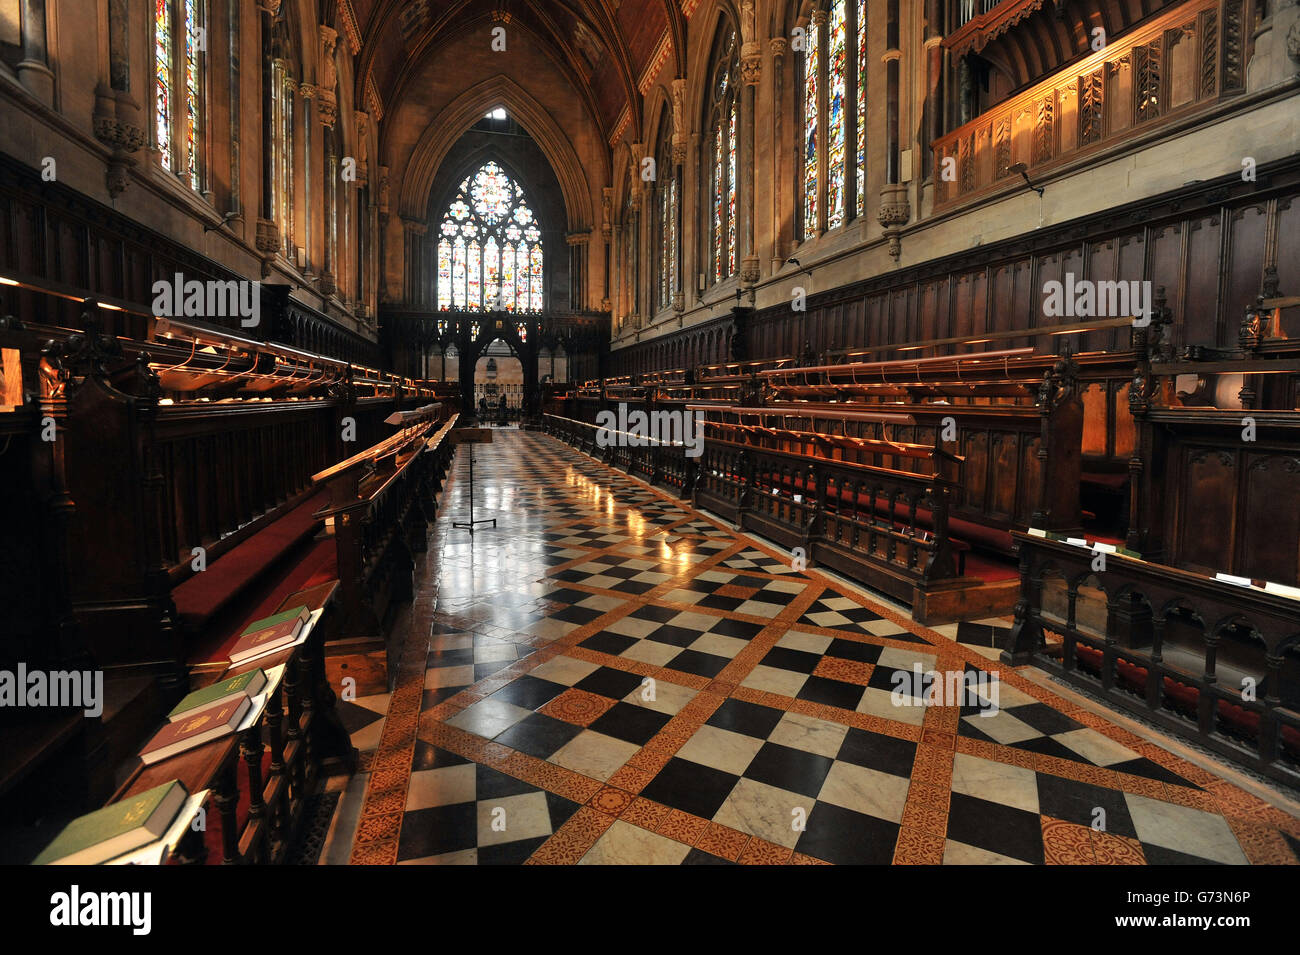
1210	660
380	502
1182	62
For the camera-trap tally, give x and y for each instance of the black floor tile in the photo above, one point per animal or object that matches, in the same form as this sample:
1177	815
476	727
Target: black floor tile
611	643
429	832
610	682
697	663
844	837
878	751
539	735
690	787
790	769
997	828
820	689
633	724
530	692
748	718
1078	803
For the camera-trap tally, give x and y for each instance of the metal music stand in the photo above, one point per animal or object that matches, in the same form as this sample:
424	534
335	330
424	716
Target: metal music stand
472	436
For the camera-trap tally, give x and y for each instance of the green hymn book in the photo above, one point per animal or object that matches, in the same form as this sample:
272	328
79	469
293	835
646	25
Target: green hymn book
297	613
246	684
116	829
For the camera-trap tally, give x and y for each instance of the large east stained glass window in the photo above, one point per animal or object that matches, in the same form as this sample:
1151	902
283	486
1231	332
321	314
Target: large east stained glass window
489	247
723	130
835	57
180	37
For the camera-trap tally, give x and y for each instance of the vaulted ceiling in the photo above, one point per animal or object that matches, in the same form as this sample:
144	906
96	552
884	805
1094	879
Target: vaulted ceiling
608	50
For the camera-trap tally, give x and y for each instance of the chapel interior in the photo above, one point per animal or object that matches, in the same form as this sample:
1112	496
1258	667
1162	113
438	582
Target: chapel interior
694	431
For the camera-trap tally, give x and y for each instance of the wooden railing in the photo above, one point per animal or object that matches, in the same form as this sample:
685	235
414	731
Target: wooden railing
260	777
380	504
1186	60
1208	659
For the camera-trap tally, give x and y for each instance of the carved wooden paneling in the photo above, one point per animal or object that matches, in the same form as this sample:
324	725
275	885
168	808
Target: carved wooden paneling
1091	107
1205	529
1270	519
1004	448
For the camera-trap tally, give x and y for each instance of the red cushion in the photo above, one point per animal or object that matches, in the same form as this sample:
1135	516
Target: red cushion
204	594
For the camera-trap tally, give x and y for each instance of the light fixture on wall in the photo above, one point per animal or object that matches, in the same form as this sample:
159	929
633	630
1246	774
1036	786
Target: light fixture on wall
1021	170
224	219
799	265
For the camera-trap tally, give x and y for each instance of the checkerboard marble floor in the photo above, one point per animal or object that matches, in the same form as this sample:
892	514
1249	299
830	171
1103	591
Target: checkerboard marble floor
611	677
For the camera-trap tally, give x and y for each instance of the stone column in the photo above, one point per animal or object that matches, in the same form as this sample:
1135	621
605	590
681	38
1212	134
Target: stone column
308	93
933	128
1277	47
894	208
268	233
33	72
778	46
327	107
382	250
116	119
236	213
679	160
751	72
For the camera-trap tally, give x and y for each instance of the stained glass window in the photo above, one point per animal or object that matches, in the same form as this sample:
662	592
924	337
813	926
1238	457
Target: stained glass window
444	274
731	193
496	262
721	119
862	107
162	33
836	75
719	183
179	44
835	55
811	78
193	91
666	214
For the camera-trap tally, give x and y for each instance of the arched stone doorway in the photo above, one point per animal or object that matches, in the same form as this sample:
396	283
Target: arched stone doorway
499	384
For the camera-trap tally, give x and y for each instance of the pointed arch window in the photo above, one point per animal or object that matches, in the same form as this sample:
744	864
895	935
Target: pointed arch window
834	64
665	216
722	122
490	255
180	43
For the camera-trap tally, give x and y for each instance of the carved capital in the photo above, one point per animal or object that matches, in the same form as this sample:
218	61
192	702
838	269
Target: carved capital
307	91
751	64
778	47
893	214
269	6
679	121
327	284
327	107
268	237
749	270
123	137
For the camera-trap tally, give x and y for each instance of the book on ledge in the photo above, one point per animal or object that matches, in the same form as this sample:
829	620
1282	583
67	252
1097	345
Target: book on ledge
196	728
116	829
271	633
246	684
